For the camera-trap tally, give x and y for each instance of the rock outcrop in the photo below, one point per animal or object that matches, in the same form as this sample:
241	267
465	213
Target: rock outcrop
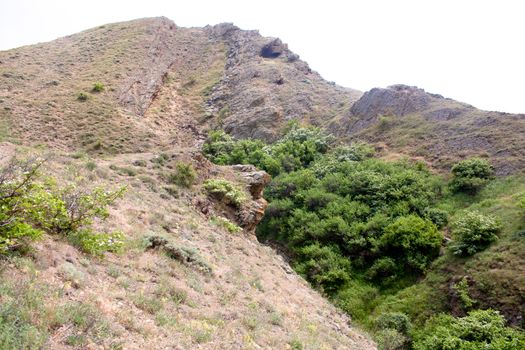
252	211
395	100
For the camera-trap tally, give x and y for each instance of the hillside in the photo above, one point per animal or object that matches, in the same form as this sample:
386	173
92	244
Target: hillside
226	290
132	105
249	85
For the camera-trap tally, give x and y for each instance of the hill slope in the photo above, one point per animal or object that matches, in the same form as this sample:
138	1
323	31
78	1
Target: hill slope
230	292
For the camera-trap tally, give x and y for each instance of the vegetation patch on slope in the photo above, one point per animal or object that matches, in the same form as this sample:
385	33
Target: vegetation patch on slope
384	240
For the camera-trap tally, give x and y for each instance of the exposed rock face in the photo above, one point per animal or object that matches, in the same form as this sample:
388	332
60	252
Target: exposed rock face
273	49
253	211
265	85
396	100
255	179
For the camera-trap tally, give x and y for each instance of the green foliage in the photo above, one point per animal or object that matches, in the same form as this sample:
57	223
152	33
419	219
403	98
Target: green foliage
470	175
225	191
18	192
461	289
98	87
394	320
226	224
369	210
390	339
184	175
97	243
297	149
29	208
438	216
82	96
414	242
480	330
324	266
473	232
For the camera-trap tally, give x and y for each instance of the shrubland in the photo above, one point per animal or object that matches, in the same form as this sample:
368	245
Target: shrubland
383	239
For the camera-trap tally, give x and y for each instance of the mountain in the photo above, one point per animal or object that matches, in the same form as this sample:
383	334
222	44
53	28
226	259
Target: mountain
221	75
202	286
130	104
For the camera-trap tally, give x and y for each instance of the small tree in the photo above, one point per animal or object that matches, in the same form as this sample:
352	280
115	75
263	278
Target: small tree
470	175
473	232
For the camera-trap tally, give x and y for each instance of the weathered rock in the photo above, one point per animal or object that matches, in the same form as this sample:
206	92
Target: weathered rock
395	100
273	49
255	179
251	214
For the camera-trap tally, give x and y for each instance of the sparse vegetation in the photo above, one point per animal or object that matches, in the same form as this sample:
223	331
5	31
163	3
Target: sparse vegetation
226	224
98	87
30	207
82	96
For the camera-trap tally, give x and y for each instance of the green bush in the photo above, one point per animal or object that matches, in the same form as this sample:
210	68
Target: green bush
324	266
97	243
226	224
438	216
185	175
225	191
470	175
297	149
415	242
20	213
480	330
391	339
98	87
29	208
394	320
473	232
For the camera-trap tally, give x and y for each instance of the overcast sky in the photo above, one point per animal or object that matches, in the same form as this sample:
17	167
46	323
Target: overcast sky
472	51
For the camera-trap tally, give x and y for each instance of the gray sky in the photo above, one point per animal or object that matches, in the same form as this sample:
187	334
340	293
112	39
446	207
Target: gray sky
472	51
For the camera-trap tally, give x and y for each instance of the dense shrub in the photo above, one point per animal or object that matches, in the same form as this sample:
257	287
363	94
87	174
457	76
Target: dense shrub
480	330
184	175
438	216
414	242
30	206
324	266
473	232
394	320
18	218
470	175
369	210
297	149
